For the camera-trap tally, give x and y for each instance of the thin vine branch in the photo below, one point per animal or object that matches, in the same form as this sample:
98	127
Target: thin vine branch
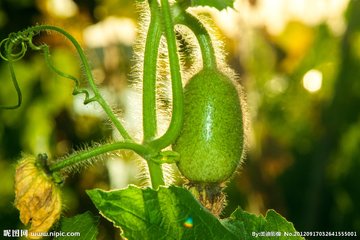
10	58
149	73
94	152
149	88
177	112
26	37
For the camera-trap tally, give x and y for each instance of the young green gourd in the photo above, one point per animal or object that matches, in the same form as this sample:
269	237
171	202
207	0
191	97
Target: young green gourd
212	139
211	143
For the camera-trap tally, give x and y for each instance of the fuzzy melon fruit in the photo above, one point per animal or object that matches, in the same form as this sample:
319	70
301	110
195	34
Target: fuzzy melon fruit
211	141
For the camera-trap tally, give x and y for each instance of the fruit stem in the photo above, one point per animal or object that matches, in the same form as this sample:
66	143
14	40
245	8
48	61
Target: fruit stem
202	35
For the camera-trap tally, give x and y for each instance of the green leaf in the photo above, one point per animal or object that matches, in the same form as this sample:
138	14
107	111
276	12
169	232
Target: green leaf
173	213
85	224
250	226
219	4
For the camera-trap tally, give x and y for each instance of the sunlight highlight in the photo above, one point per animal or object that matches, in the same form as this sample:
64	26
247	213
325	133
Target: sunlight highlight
110	31
62	8
312	80
274	15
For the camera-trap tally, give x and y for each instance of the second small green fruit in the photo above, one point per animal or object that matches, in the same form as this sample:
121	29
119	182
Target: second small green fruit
212	138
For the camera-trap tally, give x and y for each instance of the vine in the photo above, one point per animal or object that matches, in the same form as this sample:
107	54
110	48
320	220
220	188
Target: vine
152	147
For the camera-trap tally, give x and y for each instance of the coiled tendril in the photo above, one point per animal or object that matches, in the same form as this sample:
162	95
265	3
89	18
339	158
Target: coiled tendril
15	47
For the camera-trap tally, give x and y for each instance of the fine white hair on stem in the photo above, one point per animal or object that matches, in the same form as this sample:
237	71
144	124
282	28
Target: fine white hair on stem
214	33
163	93
169	172
76	168
143	173
189	52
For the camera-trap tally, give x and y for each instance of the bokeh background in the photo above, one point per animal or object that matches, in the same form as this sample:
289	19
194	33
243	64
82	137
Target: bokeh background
299	62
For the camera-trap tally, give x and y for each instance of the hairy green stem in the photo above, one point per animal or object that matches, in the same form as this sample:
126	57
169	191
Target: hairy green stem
94	152
149	88
202	35
149	73
97	96
177	112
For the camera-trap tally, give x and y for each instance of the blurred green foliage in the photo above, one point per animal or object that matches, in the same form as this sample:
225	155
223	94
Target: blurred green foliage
305	147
